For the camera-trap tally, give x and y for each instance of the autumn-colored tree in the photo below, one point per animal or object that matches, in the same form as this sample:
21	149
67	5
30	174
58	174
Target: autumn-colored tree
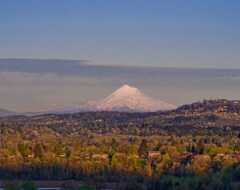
58	149
148	170
23	149
172	152
132	150
143	149
38	151
237	147
158	146
199	164
228	162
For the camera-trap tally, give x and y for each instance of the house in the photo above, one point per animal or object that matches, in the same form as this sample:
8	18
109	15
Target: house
153	154
31	155
221	155
99	156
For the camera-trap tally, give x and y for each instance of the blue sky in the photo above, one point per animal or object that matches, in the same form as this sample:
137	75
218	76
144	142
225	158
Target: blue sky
117	42
172	33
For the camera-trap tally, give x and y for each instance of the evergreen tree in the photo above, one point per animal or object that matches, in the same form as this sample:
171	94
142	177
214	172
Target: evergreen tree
114	144
193	149
143	149
200	146
67	152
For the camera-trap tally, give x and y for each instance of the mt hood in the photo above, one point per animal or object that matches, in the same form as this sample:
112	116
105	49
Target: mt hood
127	99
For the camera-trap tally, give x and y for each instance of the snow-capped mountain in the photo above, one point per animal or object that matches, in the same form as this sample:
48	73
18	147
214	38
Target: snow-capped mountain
127	99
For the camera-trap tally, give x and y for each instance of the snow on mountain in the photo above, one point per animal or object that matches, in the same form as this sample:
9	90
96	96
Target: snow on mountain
127	99
89	106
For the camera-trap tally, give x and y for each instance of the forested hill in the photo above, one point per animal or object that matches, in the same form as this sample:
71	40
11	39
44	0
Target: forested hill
195	145
206	107
212	117
220	105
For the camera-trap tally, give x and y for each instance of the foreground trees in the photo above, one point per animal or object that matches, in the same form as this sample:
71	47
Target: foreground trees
23	186
130	161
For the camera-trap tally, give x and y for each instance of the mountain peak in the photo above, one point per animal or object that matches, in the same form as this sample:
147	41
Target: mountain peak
126	86
126	89
127	98
132	99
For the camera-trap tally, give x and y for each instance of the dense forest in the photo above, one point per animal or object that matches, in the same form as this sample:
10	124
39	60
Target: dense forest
196	146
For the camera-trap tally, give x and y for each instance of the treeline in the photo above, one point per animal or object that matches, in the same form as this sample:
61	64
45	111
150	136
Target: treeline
212	117
129	161
209	181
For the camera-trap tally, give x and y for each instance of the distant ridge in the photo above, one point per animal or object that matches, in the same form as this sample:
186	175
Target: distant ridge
215	105
4	113
124	99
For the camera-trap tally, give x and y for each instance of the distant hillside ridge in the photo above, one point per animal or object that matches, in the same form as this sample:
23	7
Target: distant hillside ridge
216	105
4	112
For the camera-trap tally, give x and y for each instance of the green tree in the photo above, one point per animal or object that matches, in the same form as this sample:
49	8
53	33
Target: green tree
111	154
143	149
193	150
67	152
85	187
29	186
10	186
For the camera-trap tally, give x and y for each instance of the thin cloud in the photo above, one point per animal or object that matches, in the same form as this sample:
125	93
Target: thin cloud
28	85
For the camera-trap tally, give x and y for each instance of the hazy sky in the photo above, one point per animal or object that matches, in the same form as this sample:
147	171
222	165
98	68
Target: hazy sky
117	42
173	33
39	85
